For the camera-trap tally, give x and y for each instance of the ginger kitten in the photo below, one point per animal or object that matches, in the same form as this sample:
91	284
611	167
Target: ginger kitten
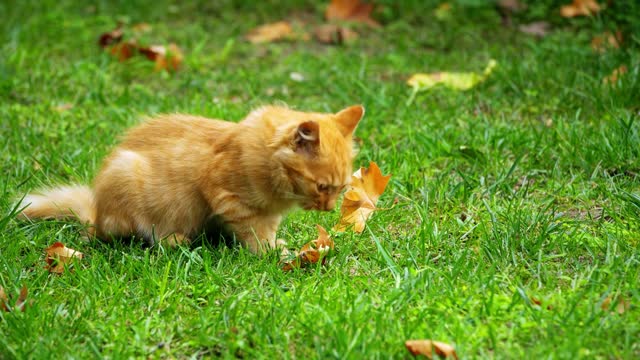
174	173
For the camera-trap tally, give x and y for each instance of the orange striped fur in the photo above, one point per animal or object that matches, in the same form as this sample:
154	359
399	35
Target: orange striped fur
174	173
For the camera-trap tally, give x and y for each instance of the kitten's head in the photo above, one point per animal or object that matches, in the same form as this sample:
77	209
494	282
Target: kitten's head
317	154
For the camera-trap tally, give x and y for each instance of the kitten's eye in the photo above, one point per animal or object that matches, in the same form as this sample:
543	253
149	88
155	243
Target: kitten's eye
323	187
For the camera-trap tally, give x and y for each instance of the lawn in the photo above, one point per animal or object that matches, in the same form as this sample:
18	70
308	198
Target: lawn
510	227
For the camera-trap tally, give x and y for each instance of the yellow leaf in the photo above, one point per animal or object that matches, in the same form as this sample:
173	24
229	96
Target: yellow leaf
580	8
58	255
270	32
311	252
360	199
453	80
428	347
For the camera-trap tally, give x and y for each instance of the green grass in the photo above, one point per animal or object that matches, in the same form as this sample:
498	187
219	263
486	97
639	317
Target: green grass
525	187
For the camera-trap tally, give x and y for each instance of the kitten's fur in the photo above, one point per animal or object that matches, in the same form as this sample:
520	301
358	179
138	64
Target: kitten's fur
173	174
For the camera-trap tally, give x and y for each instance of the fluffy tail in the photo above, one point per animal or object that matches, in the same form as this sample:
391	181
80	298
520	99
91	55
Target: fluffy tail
65	202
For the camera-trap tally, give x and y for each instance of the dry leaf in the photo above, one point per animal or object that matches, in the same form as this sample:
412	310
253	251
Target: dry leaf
166	58
428	347
535	301
615	75
621	307
360	199
350	10
111	37
124	50
270	32
22	298
580	8
58	255
3	300
456	81
538	28
608	40
20	303
311	252
334	34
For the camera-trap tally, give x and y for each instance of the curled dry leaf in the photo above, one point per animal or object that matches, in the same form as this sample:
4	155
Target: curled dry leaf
166	57
334	34
124	50
428	347
456	81
270	32
360	199
350	10
58	255
111	37
311	252
615	75
608	40
580	8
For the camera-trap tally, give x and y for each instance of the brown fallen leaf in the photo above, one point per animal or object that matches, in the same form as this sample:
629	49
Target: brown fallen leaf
20	303
334	34
360	199
350	10
605	41
580	8
535	300
124	50
428	347
166	57
538	28
3	300
311	252
270	32
615	75
58	255
22	298
111	37
621	307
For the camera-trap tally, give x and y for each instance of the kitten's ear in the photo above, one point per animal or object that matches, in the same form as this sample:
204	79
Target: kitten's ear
348	119
307	137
